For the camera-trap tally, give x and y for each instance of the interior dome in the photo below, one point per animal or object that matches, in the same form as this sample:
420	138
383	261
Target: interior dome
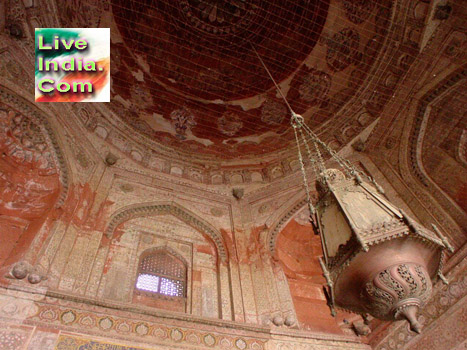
185	75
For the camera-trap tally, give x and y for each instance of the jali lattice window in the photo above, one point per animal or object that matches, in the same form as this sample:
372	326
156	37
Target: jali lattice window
162	273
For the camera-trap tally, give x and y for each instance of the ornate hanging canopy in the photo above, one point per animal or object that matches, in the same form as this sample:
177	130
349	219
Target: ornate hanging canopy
377	260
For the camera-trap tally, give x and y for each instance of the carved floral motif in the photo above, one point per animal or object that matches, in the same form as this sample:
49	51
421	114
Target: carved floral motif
219	17
315	86
342	49
229	124
24	141
28	175
182	120
358	11
273	112
79	13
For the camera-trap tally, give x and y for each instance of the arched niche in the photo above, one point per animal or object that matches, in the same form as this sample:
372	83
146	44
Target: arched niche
295	246
33	174
158	208
437	144
162	279
137	229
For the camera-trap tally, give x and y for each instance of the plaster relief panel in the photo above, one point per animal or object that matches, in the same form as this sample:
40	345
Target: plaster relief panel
137	236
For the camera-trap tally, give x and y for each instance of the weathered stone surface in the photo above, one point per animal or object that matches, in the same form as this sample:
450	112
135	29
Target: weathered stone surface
83	224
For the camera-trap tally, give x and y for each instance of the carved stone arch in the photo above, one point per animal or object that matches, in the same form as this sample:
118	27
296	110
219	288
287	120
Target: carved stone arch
413	157
161	268
152	209
279	221
41	119
418	129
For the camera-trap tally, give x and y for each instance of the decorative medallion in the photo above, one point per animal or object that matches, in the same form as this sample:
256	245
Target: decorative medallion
87	321
48	315
106	323
193	338
123	327
176	334
273	112
25	141
264	208
225	343
28	133
141	98
229	124
209	340
68	317
160	333
256	345
217	212
126	188
240	344
314	86
342	49
220	17
358	11
182	120
10	309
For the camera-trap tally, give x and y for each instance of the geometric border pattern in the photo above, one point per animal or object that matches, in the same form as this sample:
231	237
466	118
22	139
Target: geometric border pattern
78	320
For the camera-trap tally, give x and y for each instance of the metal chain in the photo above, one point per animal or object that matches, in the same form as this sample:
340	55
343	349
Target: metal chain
321	165
344	163
350	169
312	160
296	123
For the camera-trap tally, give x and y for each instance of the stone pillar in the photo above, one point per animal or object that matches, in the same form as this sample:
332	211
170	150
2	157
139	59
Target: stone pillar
225	295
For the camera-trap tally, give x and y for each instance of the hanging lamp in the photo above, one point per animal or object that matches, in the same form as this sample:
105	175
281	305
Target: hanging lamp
377	260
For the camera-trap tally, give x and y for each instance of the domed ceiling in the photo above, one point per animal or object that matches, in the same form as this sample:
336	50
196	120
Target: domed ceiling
185	73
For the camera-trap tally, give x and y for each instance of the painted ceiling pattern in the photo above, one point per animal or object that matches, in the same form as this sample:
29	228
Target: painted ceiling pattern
185	74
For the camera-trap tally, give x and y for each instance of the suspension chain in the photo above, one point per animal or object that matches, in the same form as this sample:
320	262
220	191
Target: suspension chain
349	168
297	123
311	159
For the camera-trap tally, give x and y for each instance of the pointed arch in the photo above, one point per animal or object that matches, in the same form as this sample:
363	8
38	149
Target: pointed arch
278	221
159	264
168	249
172	208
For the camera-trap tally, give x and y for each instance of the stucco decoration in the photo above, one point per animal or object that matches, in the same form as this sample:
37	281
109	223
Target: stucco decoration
219	80
178	211
421	145
36	136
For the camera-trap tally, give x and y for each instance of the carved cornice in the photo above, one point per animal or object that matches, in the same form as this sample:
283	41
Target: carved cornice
151	209
60	303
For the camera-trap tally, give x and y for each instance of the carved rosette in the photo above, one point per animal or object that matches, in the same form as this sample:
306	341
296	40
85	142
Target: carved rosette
342	49
398	292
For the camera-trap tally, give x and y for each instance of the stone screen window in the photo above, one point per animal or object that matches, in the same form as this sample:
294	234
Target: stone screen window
162	274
